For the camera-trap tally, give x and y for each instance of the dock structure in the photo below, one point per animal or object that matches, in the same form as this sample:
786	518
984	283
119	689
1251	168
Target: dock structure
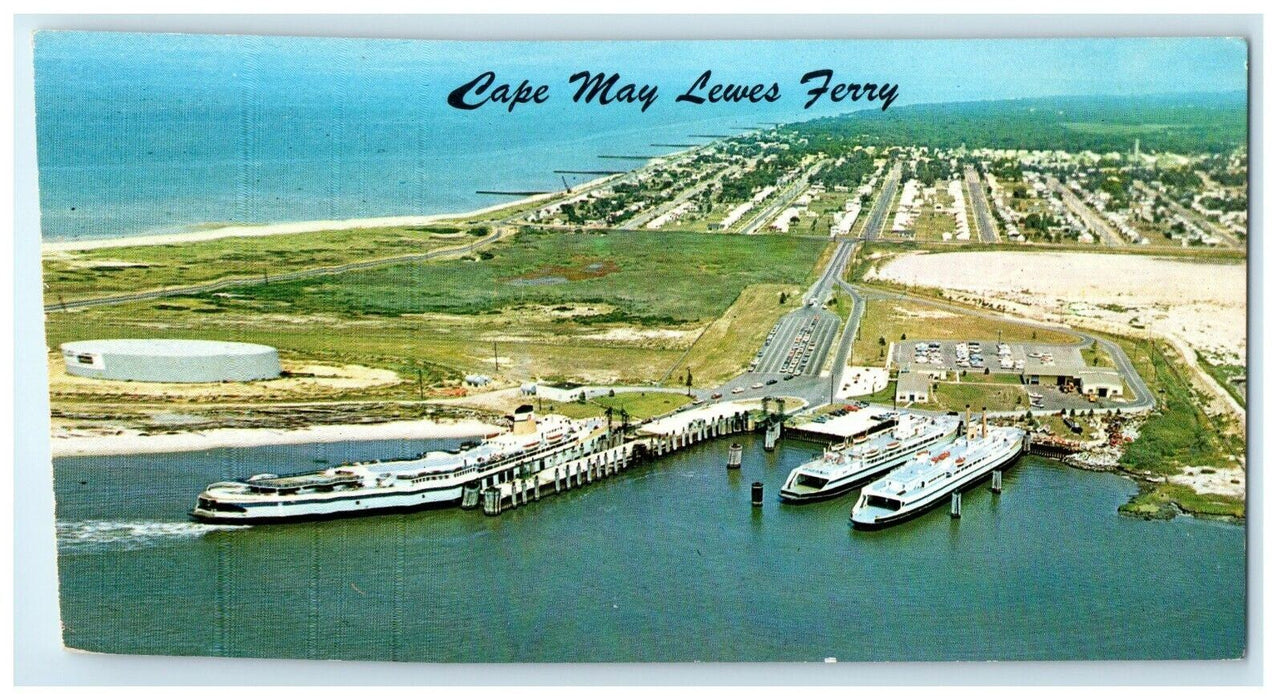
613	453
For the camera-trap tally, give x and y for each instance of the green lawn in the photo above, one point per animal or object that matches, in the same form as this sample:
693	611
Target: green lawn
640	405
993	396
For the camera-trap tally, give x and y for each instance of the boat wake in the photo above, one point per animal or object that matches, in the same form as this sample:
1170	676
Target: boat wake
106	535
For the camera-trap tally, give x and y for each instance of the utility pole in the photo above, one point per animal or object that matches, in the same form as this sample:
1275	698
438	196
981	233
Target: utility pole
494	346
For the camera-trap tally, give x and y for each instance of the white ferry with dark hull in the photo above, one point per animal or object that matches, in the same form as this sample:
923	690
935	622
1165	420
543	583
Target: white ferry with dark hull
433	479
846	466
929	480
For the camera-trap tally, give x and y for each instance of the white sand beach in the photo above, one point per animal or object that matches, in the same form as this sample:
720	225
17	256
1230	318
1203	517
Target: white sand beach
82	443
277	229
255	230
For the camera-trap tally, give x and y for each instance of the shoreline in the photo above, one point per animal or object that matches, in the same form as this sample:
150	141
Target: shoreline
124	443
293	227
277	229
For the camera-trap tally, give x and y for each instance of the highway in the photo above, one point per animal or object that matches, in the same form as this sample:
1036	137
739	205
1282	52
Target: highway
878	213
793	356
1107	233
980	206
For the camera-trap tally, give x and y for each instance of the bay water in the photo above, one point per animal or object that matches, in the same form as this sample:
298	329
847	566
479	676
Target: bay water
665	562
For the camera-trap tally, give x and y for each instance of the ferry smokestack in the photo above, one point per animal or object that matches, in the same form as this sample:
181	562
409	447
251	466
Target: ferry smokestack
524	420
983	431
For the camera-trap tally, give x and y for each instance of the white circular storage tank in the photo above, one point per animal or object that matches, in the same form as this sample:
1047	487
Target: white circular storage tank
169	360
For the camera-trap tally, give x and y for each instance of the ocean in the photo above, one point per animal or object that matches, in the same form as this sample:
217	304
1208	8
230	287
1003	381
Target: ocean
664	562
142	134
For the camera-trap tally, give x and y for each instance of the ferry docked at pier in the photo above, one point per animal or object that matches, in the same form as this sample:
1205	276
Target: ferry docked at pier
931	477
432	479
845	466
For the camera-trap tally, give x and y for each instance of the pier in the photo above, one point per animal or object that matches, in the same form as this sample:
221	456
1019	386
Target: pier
611	454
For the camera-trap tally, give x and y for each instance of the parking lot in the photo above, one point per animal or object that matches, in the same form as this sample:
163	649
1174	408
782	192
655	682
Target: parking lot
940	356
945	358
797	345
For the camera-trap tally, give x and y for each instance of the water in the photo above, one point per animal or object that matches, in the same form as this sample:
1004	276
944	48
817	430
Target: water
155	133
141	134
666	562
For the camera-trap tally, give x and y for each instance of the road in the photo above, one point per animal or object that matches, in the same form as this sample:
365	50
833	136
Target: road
980	206
808	332
1144	400
878	213
1226	236
265	279
782	200
667	206
1107	233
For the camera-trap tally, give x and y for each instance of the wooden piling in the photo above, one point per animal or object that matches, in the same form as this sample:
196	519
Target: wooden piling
734	455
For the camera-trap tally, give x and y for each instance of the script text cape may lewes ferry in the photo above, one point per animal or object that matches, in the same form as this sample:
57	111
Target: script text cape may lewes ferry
598	88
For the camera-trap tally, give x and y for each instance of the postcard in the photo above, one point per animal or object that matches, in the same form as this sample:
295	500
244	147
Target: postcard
646	351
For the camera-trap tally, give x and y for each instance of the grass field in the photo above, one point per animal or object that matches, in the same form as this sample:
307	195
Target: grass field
726	345
1167	499
1179	434
105	271
652	278
995	396
1223	374
630	305
639	405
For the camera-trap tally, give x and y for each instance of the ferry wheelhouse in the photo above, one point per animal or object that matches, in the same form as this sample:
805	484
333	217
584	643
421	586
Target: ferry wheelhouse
929	479
846	466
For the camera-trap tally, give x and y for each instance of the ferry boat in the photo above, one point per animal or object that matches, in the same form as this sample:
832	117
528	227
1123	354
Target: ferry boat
845	466
930	479
431	479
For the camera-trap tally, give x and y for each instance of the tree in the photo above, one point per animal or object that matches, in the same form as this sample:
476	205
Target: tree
882	340
688	381
783	296
902	336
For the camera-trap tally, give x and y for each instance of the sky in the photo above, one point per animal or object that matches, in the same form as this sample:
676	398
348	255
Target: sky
926	70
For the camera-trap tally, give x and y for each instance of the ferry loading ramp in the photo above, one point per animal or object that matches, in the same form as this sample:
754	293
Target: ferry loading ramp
851	424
